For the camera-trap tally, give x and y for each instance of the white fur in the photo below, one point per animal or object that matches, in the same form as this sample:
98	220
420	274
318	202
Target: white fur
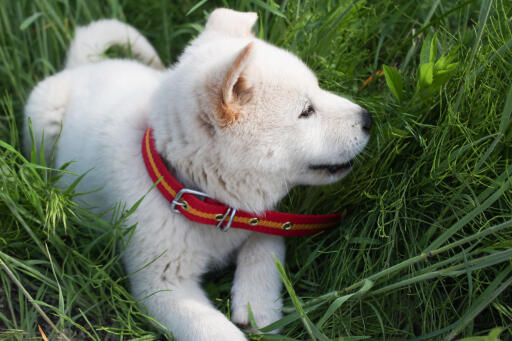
94	39
249	164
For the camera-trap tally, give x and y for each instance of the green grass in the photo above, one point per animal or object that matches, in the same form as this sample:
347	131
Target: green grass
425	252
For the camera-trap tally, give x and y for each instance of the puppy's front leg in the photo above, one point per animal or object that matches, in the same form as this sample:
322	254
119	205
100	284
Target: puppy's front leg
257	280
184	308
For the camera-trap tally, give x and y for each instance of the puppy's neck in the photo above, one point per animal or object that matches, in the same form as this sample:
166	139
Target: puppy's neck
201	169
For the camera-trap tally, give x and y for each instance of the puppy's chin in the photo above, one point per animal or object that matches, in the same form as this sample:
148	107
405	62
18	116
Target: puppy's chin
317	177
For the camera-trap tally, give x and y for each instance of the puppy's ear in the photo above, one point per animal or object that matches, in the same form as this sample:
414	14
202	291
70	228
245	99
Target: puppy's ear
235	88
233	23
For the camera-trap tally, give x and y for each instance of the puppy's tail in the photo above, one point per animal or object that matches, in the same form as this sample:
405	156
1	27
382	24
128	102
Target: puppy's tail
94	39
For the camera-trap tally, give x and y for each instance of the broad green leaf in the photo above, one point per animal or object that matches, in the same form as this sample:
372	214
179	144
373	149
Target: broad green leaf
442	77
451	66
394	82
425	50
426	75
433	49
444	60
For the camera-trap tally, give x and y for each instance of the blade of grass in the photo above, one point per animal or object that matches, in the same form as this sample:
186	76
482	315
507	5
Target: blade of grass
31	300
505	121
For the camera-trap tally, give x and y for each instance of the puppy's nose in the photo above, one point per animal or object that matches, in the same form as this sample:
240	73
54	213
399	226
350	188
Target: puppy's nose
367	120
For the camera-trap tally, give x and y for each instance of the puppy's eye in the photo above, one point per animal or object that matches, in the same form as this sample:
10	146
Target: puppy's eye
308	111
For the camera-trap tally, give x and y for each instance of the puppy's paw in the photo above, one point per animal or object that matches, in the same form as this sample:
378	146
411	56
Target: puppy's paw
263	316
211	329
223	335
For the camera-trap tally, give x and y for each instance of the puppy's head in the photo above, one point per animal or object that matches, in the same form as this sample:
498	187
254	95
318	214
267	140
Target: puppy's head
269	112
259	110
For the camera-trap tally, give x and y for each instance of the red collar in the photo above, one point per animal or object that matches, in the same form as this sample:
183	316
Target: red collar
211	212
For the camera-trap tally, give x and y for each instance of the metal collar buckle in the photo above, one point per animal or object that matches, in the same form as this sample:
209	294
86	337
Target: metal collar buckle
230	221
179	202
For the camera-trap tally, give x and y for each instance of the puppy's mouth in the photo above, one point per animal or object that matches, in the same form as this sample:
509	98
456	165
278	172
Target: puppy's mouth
332	168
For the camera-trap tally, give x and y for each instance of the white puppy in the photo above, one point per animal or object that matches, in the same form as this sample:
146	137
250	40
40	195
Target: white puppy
237	118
